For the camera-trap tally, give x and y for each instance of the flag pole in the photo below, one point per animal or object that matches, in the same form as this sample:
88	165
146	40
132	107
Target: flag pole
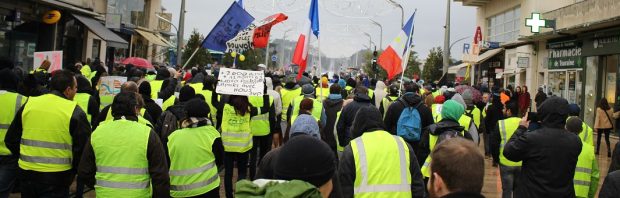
320	67
407	53
190	57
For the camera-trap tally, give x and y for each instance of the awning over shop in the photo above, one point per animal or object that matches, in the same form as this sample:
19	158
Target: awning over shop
73	8
455	69
96	27
156	39
488	54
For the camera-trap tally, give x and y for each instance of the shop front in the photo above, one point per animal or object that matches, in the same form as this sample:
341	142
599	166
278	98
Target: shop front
601	53
564	66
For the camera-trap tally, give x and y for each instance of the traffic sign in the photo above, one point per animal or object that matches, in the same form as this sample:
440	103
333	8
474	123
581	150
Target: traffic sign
274	58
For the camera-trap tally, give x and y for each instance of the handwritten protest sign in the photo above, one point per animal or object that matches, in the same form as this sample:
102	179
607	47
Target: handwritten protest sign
111	85
55	57
240	82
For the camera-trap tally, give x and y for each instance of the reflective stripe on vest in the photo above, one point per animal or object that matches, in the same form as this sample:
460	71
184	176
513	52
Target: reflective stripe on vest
9	103
260	123
46	144
168	103
507	127
236	132
339	148
192	163
586	135
122	164
374	184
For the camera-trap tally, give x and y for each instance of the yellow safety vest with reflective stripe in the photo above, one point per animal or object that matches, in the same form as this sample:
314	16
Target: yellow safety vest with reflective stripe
260	122
122	164
464	121
507	127
105	101
387	101
141	119
82	101
436	111
192	163
155	88
371	93
86	72
432	140
168	103
382	165
318	93
236	132
435	93
348	89
317	108
339	148
46	144
208	94
586	134
9	103
150	77
587	173
287	98
475	113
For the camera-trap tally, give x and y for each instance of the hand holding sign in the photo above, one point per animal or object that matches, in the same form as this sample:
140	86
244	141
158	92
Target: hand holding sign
240	82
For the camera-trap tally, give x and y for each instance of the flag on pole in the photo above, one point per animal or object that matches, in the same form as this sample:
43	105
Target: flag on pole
240	2
254	36
234	20
311	25
393	56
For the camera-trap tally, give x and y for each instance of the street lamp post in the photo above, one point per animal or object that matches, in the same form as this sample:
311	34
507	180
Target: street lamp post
282	45
381	33
450	48
402	12
369	41
446	44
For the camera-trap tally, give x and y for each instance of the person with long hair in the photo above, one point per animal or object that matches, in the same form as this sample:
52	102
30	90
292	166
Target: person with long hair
233	116
524	101
603	124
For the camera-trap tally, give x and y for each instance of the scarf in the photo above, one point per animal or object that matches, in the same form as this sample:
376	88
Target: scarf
335	96
194	122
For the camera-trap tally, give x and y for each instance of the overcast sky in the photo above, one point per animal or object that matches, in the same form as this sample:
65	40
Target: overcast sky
342	22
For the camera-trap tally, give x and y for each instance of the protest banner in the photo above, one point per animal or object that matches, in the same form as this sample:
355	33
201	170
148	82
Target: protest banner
240	82
234	20
254	36
55	57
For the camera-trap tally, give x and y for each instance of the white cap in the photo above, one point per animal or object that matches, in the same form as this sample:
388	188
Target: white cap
262	65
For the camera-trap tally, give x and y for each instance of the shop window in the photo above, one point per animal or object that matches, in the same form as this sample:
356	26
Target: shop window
504	27
96	48
132	11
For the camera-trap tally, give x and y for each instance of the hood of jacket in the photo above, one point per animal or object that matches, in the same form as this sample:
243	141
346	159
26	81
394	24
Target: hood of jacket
380	92
443	126
178	110
361	98
198	78
412	99
458	98
332	102
276	188
367	119
553	112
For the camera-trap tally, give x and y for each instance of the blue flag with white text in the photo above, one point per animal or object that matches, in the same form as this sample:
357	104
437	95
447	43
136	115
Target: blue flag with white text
234	20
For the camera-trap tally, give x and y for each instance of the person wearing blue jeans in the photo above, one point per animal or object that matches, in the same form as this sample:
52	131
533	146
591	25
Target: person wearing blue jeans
509	176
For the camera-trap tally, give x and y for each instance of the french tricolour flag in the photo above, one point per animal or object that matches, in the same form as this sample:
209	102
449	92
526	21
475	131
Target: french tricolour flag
311	25
393	56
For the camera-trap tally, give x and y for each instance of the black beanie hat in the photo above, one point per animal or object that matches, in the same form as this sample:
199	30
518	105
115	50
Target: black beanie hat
305	158
197	108
145	88
187	93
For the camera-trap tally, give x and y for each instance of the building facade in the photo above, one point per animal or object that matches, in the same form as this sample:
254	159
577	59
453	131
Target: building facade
86	29
577	60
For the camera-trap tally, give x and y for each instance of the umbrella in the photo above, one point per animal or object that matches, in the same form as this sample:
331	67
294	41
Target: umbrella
476	95
138	62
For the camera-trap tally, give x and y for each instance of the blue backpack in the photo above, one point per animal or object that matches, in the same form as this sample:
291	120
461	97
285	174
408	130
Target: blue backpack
409	125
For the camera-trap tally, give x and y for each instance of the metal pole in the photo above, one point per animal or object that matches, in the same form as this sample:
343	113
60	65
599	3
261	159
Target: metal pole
267	53
320	65
446	43
190	57
380	33
180	35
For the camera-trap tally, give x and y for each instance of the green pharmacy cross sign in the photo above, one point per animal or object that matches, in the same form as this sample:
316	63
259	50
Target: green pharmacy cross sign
536	23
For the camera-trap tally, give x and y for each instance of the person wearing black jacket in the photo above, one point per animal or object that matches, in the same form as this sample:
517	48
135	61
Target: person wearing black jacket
412	99
368	121
37	182
494	115
549	154
541	96
348	113
93	101
332	105
152	108
124	108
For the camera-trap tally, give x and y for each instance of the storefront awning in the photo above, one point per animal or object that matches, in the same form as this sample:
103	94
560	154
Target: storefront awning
96	27
455	69
70	7
488	54
155	39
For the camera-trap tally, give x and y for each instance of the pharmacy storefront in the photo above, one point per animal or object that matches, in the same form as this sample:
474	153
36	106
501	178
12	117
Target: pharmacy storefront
565	68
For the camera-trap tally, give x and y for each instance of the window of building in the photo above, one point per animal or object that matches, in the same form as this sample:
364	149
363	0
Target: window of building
504	27
132	11
96	48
